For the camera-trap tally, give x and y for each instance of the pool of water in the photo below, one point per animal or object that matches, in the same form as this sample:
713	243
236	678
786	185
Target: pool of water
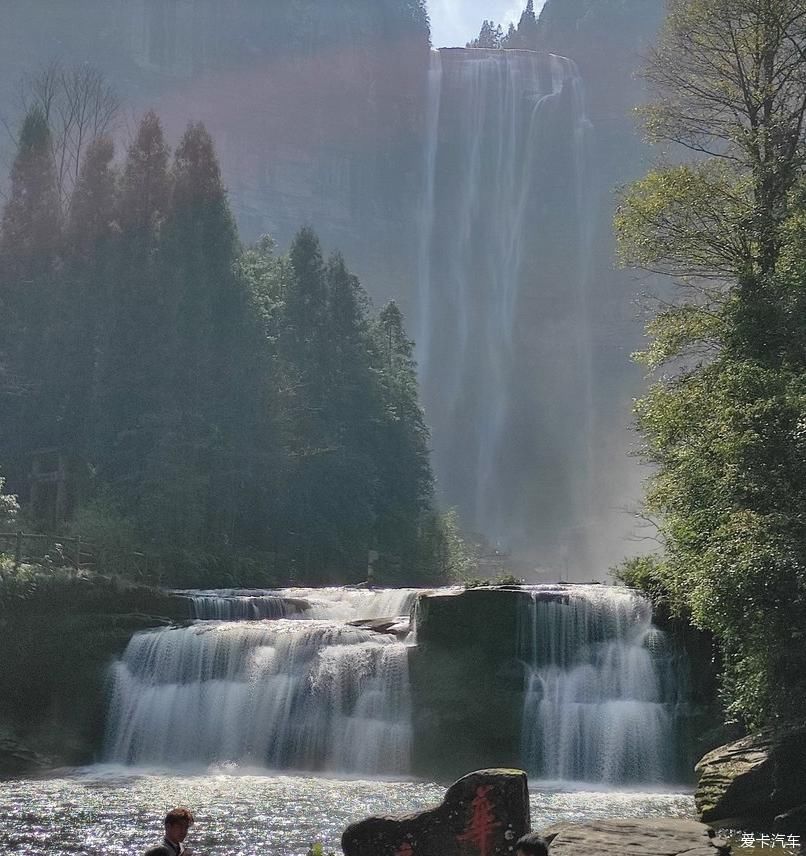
117	811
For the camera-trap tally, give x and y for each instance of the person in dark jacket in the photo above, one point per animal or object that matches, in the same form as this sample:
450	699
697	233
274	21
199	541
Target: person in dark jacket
177	823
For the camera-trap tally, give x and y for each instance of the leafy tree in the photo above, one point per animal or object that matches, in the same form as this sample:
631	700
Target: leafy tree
724	427
79	106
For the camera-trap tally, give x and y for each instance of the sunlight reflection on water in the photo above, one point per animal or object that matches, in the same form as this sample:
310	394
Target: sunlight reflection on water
117	811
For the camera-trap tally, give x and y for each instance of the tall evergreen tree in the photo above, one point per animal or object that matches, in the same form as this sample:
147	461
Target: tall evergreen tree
304	352
406	480
87	298
527	27
30	237
202	311
134	366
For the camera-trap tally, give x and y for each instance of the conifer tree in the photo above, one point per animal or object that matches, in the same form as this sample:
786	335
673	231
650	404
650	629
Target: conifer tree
87	309
304	354
134	367
527	27
30	236
405	473
202	310
30	229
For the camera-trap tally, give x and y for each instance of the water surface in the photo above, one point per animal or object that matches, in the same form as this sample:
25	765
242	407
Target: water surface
117	811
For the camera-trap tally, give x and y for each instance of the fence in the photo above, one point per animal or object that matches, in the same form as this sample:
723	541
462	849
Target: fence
72	551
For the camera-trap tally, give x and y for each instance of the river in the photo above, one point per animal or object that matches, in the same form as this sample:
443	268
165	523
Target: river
117	811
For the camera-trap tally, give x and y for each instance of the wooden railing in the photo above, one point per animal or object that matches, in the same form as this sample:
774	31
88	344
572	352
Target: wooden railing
69	550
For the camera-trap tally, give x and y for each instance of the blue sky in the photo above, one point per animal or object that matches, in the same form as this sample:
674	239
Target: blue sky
455	22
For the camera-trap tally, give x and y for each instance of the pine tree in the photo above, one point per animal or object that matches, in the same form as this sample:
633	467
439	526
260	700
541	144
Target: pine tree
30	237
353	412
87	310
202	311
134	366
30	230
406	480
527	27
490	36
304	352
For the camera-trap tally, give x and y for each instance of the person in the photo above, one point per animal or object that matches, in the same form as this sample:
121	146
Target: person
177	823
531	844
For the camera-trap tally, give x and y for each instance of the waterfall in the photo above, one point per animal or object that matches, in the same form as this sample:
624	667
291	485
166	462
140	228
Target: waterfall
336	603
304	692
601	687
504	341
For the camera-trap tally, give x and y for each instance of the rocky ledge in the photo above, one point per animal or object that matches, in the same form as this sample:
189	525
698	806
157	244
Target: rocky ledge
659	836
487	811
756	782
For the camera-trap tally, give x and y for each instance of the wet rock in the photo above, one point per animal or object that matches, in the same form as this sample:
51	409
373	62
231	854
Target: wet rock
397	626
17	758
659	836
735	780
756	778
483	814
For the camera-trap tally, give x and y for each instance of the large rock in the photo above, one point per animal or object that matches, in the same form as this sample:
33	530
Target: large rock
466	682
754	779
658	836
483	814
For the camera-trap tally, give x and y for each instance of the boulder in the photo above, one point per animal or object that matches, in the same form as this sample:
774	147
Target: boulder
483	814
466	681
757	778
658	836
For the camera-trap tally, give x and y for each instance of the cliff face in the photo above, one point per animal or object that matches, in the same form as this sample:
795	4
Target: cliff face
327	114
314	106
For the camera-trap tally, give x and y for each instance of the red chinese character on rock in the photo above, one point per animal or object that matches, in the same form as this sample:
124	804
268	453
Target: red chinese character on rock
482	824
405	849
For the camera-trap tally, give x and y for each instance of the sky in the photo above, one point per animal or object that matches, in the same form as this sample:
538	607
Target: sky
456	22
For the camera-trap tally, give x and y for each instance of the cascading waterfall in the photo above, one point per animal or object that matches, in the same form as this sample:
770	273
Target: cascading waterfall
601	690
239	605
307	692
503	333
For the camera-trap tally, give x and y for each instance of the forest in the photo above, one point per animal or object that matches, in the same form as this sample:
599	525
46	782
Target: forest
218	405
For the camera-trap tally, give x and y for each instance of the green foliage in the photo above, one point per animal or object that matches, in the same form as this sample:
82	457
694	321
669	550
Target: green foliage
725	426
9	507
525	36
225	412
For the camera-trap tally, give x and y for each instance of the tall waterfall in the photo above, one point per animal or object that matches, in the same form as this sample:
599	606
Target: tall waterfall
308	692
602	685
503	329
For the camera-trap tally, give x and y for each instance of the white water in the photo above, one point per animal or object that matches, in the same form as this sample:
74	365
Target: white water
304	693
310	691
336	603
504	269
601	693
